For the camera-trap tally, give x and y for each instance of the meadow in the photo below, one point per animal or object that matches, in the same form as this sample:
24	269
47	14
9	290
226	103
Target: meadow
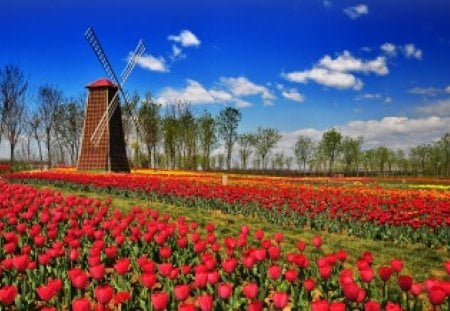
207	241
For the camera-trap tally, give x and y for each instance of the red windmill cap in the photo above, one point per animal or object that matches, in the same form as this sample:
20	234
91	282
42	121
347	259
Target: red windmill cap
101	83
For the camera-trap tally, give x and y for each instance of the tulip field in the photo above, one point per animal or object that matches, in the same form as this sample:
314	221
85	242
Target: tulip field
78	251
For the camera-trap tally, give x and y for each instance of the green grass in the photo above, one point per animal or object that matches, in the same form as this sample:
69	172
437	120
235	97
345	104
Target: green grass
420	261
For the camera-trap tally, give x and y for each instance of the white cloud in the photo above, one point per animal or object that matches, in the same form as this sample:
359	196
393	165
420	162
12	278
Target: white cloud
336	72
393	132
430	91
356	11
388	100
389	48
241	86
397	132
153	63
293	95
368	96
440	108
193	93
177	53
335	79
186	38
411	51
327	3
240	103
346	62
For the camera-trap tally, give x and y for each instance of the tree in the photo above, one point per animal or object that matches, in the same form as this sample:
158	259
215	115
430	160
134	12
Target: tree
227	124
444	146
351	153
150	123
265	140
331	141
278	161
34	123
246	142
13	86
207	137
68	127
49	98
303	150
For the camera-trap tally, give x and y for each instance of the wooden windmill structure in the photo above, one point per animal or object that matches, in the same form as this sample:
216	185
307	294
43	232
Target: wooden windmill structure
103	143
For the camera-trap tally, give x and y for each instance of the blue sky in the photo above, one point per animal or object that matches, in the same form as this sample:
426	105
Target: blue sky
374	68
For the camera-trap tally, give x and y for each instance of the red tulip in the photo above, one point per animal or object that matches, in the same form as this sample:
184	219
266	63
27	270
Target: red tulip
181	292
104	293
122	265
259	234
336	306
45	292
385	273
280	299
224	290
148	280
367	275
319	305
351	291
372	306
397	265
165	252
447	266
325	271
80	280
255	306
159	301
229	264
20	263
390	306
279	237
206	302
291	275
186	307
8	294
81	304
97	272
122	297
416	289
309	284
405	282
111	252
274	272
301	245
250	290
317	241
437	295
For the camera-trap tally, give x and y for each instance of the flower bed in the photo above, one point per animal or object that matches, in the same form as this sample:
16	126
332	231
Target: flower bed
73	252
369	212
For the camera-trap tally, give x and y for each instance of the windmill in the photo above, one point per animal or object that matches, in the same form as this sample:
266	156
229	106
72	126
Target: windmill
103	142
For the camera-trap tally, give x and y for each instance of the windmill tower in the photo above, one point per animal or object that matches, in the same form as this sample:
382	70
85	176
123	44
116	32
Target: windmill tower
103	142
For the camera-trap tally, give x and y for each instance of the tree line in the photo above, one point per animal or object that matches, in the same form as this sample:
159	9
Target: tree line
47	128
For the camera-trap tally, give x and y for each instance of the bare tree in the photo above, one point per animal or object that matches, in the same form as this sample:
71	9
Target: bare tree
227	124
150	121
68	127
49	98
34	124
246	142
303	151
266	139
207	137
13	86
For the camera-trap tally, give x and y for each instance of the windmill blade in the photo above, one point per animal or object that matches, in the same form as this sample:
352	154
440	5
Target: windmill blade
99	52
140	48
112	106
